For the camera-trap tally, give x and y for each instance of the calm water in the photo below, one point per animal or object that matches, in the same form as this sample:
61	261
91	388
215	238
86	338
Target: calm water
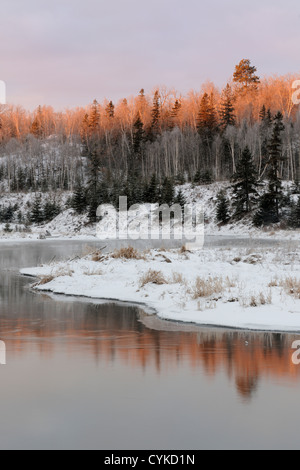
81	375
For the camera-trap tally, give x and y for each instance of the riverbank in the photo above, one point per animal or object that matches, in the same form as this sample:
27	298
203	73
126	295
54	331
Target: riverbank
70	225
247	288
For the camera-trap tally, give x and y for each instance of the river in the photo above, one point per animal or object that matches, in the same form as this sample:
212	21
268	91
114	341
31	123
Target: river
84	375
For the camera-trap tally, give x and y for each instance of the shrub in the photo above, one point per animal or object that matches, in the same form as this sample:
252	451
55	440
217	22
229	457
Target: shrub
153	277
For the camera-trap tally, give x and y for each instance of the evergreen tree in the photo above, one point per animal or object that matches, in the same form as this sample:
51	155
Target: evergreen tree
227	116
265	130
167	193
155	114
266	213
245	76
207	119
138	137
84	132
51	210
36	215
94	118
203	177
263	113
151	194
37	128
275	159
93	184
110	110
79	202
223	215
245	184
96	196
180	199
174	114
265	116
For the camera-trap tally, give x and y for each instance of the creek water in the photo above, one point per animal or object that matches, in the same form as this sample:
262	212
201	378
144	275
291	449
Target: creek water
90	375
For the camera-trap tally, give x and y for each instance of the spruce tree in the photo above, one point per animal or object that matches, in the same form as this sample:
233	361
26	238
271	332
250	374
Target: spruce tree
94	118
36	215
174	114
263	113
266	213
151	194
167	193
138	137
155	114
79	202
223	215
180	199
207	119
110	110
93	184
275	159
51	210
37	128
245	183
227	116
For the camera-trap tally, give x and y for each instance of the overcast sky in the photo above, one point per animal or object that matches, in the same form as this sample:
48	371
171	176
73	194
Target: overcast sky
67	52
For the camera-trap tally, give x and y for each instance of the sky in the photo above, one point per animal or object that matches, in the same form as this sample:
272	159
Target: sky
65	53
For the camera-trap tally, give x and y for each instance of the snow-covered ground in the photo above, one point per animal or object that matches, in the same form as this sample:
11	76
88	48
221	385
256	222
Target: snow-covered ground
235	287
72	226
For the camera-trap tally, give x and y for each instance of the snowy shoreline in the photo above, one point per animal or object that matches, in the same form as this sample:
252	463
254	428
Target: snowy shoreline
242	288
69	225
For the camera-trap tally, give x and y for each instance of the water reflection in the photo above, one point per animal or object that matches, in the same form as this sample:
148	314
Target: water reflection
113	333
109	333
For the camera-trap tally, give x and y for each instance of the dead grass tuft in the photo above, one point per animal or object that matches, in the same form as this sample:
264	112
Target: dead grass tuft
153	277
45	280
98	257
178	279
207	287
128	253
291	286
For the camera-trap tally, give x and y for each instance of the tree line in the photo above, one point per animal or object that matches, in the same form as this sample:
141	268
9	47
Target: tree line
107	150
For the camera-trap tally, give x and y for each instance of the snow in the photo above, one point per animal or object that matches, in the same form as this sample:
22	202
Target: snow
69	225
260	287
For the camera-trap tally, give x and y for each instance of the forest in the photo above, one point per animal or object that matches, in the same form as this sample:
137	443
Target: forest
143	146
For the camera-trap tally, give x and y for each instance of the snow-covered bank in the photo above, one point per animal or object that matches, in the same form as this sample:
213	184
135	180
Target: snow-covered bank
231	287
68	224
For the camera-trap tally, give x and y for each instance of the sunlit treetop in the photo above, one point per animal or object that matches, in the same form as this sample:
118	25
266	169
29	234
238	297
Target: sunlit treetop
245	76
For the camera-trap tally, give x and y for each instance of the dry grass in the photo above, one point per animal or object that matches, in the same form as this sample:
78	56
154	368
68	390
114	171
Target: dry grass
291	286
274	283
128	253
183	250
61	272
207	287
98	257
177	278
256	300
153	277
45	280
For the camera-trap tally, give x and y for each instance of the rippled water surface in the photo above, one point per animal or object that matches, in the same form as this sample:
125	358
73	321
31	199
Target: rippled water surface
80	375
